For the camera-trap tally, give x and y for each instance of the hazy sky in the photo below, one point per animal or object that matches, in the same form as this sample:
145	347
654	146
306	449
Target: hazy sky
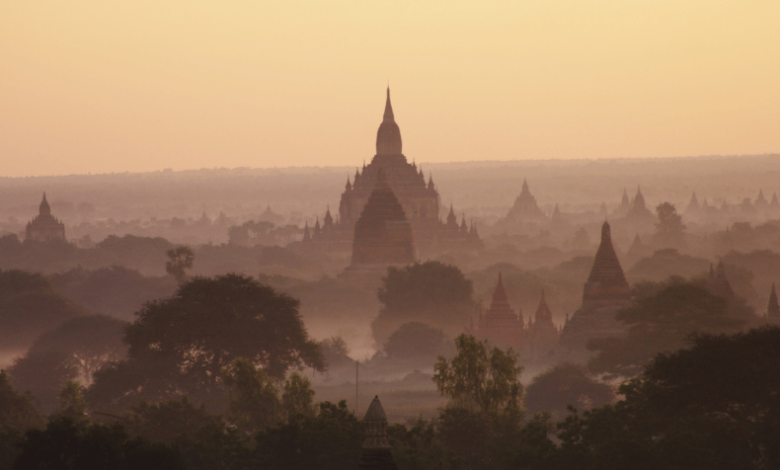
134	85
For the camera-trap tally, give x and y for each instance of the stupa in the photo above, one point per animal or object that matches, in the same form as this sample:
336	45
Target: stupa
525	207
419	200
45	227
376	453
500	324
383	236
543	336
606	291
639	212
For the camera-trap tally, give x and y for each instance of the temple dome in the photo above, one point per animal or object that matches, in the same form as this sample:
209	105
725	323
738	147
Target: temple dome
388	137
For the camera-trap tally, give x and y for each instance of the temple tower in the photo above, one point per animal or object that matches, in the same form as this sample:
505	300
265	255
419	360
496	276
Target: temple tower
499	324
45	227
383	235
525	207
606	291
376	448
542	334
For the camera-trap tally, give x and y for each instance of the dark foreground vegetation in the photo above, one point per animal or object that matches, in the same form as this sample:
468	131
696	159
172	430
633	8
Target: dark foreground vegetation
712	405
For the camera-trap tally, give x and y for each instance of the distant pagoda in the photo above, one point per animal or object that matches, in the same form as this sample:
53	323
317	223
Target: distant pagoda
419	200
376	453
605	292
542	335
45	227
525	207
500	324
383	236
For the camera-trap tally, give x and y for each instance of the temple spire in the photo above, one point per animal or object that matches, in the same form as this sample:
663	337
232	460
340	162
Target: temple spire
388	117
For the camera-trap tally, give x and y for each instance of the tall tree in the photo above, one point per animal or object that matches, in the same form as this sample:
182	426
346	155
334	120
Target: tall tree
479	378
181	345
432	292
91	341
661	318
670	230
179	260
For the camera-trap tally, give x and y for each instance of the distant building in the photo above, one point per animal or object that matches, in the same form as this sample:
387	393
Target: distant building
383	236
606	291
376	453
419	200
718	284
543	337
525	208
500	324
45	227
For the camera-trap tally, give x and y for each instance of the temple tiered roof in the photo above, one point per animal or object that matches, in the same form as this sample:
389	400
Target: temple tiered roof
606	281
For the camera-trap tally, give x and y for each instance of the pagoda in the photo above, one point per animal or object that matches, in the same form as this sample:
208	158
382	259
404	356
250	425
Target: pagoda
606	291
525	207
383	236
418	199
639	212
376	453
542	333
624	208
45	227
500	324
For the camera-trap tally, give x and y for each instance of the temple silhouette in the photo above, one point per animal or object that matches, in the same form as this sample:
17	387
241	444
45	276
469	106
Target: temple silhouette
45	227
419	201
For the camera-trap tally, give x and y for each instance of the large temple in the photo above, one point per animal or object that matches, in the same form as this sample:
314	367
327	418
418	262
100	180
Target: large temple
419	200
606	291
525	208
45	227
383	235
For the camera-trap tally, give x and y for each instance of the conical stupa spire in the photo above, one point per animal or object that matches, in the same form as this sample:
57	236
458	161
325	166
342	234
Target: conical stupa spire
606	281
388	116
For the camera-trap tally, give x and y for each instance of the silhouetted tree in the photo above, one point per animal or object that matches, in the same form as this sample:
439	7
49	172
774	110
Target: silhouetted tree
661	319
711	406
91	340
329	440
70	444
669	230
28	307
255	401
563	385
179	260
44	374
430	292
298	397
416	340
17	415
181	345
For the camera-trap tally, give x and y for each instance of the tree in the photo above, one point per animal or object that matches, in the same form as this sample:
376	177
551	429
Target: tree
256	404
91	340
44	374
669	230
298	397
179	260
713	405
430	292
661	318
69	444
168	422
28	307
334	351
17	415
416	340
72	402
329	440
479	378
181	345
563	385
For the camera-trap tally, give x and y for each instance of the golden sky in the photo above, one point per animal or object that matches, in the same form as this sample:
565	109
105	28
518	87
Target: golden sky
141	85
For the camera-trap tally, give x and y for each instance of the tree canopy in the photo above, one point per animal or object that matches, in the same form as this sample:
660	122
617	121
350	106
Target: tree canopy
432	292
182	344
563	385
661	318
